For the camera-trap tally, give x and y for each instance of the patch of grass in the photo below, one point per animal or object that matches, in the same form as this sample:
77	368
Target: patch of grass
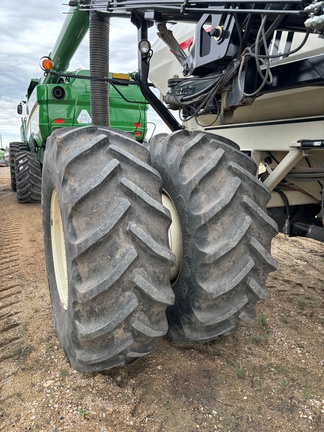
38	364
305	372
259	338
216	341
24	352
263	321
284	319
215	347
239	371
304	303
64	373
282	369
84	412
262	331
307	395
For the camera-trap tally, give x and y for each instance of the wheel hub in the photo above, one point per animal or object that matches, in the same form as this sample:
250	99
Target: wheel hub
58	250
175	235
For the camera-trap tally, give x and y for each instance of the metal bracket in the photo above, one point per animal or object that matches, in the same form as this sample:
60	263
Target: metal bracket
167	36
280	172
144	67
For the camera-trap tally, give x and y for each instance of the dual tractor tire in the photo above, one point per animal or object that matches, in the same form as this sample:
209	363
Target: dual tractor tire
25	173
14	148
28	176
107	241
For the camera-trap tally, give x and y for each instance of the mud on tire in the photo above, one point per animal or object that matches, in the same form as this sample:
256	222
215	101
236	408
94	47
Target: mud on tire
116	245
226	233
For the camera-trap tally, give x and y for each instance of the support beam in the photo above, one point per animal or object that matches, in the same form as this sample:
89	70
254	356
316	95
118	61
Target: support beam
280	172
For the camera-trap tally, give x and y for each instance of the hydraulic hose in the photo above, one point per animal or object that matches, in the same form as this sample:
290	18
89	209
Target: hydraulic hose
99	67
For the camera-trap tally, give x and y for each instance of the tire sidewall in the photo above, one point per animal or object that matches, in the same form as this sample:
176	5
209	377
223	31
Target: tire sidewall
60	315
179	201
210	181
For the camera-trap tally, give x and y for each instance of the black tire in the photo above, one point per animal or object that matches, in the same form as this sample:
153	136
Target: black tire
14	148
226	233
116	246
28	177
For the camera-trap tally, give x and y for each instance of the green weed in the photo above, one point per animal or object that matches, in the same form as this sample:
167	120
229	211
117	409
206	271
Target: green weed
282	369
304	303
84	412
64	373
284	319
263	321
307	395
259	339
239	371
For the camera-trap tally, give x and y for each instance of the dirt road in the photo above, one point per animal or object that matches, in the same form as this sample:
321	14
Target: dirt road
266	377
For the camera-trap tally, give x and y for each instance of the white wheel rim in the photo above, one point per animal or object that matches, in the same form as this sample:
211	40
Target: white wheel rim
175	235
58	251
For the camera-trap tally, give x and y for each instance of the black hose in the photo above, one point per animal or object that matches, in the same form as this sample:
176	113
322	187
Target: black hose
305	230
286	227
99	67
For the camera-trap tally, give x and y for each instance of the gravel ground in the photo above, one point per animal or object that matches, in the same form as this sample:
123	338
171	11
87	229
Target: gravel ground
266	377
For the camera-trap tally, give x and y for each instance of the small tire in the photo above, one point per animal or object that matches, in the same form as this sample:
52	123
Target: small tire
14	148
108	257
28	177
226	233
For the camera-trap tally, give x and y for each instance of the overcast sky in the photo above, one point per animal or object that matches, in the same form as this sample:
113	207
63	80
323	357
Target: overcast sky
29	29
